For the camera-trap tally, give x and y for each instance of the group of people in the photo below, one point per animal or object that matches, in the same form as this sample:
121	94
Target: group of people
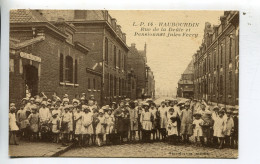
85	123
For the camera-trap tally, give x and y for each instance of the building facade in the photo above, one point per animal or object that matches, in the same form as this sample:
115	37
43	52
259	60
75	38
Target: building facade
185	84
100	32
136	61
216	63
150	83
44	57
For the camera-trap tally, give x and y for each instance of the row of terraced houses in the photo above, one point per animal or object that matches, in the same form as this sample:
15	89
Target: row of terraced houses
215	73
74	52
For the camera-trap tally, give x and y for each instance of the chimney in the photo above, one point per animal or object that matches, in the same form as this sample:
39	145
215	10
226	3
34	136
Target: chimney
133	45
113	20
223	20
215	29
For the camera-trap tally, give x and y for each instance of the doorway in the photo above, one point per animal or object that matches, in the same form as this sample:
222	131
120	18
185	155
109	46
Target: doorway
31	79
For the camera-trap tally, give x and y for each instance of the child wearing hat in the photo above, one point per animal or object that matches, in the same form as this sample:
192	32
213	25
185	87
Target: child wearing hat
146	120
110	121
100	129
163	119
78	125
65	120
55	127
172	126
22	119
34	121
13	126
71	123
229	128
186	123
219	128
133	116
207	128
197	126
155	120
87	128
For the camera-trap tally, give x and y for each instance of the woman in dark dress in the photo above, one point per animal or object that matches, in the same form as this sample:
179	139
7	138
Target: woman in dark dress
122	121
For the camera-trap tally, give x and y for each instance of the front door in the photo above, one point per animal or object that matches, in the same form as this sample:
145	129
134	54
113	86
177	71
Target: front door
31	79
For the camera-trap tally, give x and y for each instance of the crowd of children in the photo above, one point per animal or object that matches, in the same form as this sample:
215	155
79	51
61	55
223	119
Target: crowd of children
85	123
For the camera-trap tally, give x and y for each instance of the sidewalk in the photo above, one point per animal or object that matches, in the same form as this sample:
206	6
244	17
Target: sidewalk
37	149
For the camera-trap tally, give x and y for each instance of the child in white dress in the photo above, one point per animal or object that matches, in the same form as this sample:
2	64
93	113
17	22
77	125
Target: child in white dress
78	126
220	128
13	128
197	125
110	121
55	127
87	128
100	129
172	126
146	121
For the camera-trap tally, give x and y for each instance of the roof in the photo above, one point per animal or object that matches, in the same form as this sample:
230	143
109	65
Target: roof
189	69
23	16
18	45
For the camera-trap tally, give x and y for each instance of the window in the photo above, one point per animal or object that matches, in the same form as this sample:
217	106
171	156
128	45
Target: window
230	50
115	56
61	67
221	54
115	87
111	85
119	59
11	65
214	85
230	83
215	59
69	69
76	72
120	89
133	84
124	61
221	85
79	14
94	84
106	50
209	64
89	85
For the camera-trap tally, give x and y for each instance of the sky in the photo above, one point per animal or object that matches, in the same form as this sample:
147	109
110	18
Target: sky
167	56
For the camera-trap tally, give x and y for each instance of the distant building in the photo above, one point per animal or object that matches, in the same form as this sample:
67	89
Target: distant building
185	84
216	63
150	83
44	57
136	60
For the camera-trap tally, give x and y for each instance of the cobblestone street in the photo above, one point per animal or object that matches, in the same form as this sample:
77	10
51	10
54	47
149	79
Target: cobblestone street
158	149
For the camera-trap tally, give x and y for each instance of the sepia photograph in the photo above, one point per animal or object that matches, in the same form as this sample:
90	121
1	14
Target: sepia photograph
124	83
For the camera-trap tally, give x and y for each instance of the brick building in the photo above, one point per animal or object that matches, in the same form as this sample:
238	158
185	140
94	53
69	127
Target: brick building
216	74
136	60
44	56
131	86
99	31
185	84
150	83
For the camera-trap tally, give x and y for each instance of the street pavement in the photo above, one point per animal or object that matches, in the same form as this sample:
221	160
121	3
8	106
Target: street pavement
157	149
37	149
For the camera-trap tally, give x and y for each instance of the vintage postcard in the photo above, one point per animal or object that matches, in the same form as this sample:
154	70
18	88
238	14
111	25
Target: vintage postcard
124	83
